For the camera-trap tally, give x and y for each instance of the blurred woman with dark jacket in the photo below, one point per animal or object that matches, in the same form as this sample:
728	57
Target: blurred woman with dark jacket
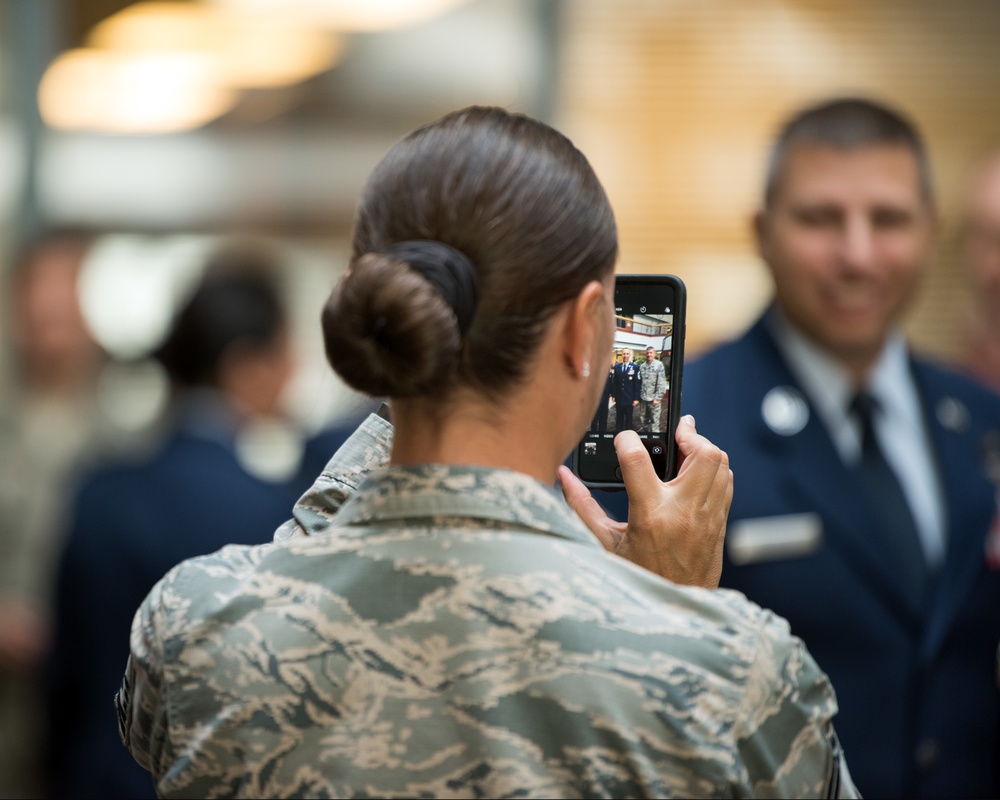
229	358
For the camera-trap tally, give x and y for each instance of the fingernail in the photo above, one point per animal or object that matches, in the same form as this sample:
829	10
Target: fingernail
688	419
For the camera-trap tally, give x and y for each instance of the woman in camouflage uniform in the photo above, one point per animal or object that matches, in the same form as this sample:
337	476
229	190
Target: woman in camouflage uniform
448	613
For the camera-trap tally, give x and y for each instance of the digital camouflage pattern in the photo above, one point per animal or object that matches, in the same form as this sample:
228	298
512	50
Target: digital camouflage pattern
652	387
652	380
457	632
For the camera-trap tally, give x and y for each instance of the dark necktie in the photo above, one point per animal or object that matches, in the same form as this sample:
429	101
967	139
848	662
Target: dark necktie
895	516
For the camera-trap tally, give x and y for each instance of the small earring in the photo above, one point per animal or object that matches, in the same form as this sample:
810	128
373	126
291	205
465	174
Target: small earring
586	369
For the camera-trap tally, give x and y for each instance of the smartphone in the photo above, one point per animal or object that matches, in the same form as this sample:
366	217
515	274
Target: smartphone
649	327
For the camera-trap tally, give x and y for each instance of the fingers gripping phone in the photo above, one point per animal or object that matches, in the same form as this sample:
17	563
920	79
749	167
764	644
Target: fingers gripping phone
642	390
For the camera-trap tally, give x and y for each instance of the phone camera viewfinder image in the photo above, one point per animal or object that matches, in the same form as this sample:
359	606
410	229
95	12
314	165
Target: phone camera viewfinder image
642	388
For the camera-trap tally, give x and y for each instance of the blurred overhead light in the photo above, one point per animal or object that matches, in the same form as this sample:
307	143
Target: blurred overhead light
346	15
132	93
163	67
253	51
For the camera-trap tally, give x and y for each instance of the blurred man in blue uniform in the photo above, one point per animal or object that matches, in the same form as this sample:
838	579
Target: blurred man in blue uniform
899	600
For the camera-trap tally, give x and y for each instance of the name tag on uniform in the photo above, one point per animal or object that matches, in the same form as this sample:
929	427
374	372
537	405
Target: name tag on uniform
773	538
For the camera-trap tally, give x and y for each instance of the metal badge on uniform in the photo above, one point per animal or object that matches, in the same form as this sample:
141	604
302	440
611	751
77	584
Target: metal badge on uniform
773	538
953	414
785	410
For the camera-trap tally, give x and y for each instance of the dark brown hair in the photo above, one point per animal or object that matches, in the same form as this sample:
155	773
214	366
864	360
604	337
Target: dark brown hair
237	300
848	123
519	201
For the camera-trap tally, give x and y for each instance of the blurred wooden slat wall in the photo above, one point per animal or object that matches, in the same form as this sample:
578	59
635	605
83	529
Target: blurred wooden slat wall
675	103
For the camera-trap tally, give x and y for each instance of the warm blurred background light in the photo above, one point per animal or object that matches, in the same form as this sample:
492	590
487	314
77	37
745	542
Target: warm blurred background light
252	50
132	92
345	15
162	67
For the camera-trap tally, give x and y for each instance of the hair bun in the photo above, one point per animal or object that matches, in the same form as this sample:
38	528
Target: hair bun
388	329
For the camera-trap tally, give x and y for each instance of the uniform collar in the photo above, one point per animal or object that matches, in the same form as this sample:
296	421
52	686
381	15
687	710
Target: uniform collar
433	492
358	488
829	387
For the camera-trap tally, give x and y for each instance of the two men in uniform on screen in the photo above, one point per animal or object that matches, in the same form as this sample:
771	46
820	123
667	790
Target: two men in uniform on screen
638	391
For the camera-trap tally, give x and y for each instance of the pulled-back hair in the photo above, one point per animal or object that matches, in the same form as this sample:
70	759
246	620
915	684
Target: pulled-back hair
523	206
848	123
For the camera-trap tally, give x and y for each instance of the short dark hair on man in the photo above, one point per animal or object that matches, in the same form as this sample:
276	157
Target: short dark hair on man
848	123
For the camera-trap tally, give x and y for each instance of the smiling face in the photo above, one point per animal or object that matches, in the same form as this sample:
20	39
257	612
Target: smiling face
846	236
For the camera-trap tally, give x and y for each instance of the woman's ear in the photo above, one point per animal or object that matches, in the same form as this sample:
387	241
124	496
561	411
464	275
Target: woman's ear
582	329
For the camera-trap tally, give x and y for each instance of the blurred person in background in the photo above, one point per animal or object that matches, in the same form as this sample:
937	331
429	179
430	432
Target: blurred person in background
865	501
52	420
981	256
229	358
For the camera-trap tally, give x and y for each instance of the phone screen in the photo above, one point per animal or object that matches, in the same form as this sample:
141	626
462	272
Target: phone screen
642	390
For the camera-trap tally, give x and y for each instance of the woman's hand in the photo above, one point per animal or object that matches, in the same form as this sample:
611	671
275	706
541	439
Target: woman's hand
675	529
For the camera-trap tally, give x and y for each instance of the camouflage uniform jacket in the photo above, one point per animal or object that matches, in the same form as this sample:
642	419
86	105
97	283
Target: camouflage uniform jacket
457	632
653	380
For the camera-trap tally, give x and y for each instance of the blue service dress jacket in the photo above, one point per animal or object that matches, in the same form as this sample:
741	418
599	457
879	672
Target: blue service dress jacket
918	694
627	382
